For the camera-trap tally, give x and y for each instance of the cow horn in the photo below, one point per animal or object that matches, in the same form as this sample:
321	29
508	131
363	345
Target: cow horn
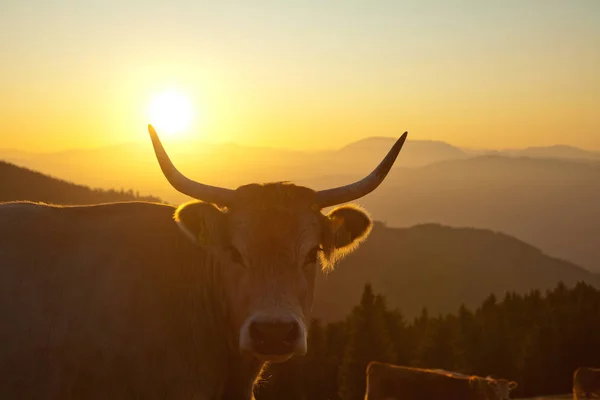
353	191
199	191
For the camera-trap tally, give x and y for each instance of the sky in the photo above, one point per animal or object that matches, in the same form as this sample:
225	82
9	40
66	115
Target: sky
306	75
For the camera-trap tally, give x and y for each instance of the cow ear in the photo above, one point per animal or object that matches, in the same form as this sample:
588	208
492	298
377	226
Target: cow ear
203	223
512	385
348	227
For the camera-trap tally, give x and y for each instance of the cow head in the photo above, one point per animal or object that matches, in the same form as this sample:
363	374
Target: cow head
503	387
269	240
495	389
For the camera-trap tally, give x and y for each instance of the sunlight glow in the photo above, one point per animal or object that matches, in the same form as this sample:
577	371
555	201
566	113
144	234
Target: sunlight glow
170	112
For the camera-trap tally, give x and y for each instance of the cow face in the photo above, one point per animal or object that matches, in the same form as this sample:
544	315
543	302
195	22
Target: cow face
503	387
269	243
496	389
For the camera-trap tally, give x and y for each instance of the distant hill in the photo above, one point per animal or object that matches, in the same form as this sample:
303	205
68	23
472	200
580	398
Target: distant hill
231	165
559	151
552	204
17	183
440	268
415	153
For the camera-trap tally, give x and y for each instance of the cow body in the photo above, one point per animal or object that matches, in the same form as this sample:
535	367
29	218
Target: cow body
392	382
586	383
112	301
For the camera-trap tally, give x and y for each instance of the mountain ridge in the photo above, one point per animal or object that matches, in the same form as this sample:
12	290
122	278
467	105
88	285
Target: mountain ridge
24	184
440	268
368	141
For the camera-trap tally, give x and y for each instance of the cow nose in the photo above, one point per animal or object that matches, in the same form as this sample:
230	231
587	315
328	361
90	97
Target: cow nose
274	337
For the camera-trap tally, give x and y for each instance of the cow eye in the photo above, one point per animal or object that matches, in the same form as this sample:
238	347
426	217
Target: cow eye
311	257
235	255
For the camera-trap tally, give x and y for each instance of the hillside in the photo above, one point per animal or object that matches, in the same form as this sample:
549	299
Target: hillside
440	268
552	204
17	183
559	151
415	153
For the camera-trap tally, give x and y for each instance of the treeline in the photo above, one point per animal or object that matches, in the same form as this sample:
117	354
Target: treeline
536	339
17	183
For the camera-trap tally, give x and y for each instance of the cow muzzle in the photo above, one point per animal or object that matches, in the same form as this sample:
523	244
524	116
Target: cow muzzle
273	339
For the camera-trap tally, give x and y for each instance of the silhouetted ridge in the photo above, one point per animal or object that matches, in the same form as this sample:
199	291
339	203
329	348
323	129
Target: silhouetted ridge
560	151
440	267
17	183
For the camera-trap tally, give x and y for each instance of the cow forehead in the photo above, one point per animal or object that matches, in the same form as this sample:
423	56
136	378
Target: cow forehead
277	214
285	194
274	225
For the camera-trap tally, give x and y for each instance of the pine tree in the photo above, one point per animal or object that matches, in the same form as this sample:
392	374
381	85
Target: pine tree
314	365
369	341
437	348
469	340
337	336
400	335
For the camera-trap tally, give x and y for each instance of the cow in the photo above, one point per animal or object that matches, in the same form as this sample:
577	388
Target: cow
586	383
393	382
503	386
148	300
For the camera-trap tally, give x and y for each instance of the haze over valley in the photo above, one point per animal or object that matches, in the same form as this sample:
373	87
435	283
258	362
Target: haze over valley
548	197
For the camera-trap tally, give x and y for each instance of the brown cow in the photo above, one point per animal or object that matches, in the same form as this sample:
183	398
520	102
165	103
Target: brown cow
142	300
393	382
586	383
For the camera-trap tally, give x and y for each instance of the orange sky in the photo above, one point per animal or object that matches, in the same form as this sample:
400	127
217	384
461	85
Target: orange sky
478	74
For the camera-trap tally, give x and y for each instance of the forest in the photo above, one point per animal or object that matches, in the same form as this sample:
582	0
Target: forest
537	339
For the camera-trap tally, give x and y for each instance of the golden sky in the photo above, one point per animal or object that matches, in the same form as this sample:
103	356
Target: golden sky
306	75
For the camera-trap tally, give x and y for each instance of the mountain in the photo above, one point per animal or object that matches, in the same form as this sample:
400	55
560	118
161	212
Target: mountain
415	153
559	151
440	268
549	203
231	165
19	183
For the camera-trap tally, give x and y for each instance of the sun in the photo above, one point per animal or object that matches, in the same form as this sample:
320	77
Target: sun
170	112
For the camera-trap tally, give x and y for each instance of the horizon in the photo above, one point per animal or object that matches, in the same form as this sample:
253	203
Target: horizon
186	142
307	77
